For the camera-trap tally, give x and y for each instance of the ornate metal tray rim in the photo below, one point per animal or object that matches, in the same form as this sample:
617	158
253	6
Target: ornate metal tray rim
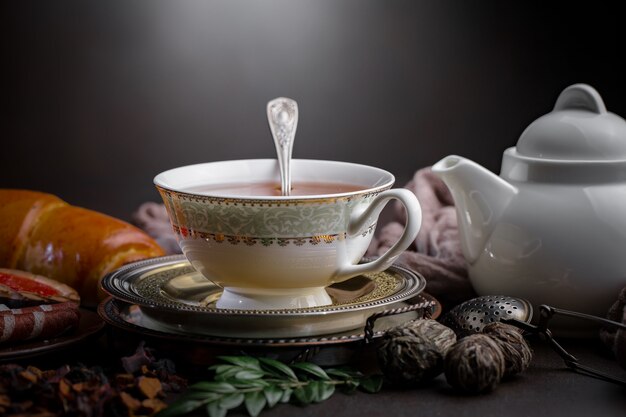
141	267
110	309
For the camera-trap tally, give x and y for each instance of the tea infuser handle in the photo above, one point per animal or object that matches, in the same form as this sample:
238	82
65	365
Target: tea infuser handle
360	222
426	307
541	329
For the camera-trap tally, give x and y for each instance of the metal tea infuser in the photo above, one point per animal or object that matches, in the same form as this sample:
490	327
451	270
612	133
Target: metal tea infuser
471	316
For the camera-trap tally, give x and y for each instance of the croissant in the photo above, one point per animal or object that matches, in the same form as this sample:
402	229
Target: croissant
42	234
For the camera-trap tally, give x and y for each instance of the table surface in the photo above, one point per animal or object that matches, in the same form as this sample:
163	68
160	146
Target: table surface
548	388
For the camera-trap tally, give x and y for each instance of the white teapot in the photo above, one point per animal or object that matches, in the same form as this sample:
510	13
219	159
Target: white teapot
552	227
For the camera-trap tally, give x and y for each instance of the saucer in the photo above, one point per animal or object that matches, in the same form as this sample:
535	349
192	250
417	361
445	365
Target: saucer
170	292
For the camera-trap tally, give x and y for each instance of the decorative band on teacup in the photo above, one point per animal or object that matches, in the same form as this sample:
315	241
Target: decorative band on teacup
265	241
259	222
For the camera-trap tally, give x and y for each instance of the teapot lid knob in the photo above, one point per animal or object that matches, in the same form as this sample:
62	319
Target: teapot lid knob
581	97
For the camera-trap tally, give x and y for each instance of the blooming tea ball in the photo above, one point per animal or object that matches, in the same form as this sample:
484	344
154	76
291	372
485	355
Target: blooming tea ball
414	352
517	352
475	364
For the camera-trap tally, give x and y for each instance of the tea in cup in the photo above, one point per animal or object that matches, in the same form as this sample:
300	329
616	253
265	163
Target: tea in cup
270	251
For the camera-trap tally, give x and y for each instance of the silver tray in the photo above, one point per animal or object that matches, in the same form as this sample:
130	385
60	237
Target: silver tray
130	318
193	352
169	291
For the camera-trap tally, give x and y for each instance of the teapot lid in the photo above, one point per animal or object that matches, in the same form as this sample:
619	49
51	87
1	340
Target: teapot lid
578	128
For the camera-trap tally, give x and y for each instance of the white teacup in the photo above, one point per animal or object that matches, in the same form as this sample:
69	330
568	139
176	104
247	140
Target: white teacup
279	252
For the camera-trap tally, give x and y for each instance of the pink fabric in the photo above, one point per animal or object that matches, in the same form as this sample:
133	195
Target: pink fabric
152	218
436	252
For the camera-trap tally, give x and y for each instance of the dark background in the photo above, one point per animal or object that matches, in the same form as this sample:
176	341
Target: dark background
100	96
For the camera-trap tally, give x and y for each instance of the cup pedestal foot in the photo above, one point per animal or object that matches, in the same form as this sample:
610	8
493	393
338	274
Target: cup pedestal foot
259	299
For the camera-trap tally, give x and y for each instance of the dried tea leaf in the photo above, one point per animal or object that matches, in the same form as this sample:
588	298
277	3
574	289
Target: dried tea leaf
124	380
65	388
23	406
79	386
142	356
150	387
49	374
35	370
173	383
129	401
29	376
86	391
153	405
60	373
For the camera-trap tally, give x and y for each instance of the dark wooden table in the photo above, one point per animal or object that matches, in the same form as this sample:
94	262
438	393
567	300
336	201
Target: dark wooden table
548	388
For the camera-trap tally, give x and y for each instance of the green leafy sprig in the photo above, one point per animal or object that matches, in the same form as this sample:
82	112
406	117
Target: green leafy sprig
263	382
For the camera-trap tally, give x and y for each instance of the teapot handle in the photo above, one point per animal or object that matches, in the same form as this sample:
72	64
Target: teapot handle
582	97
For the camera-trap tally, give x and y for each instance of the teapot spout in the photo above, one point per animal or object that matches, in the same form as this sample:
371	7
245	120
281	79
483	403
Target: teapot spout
480	197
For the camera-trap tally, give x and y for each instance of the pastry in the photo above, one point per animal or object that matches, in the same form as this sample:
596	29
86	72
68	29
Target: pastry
42	234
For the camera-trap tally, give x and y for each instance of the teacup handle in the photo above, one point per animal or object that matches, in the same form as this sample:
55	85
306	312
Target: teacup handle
361	220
